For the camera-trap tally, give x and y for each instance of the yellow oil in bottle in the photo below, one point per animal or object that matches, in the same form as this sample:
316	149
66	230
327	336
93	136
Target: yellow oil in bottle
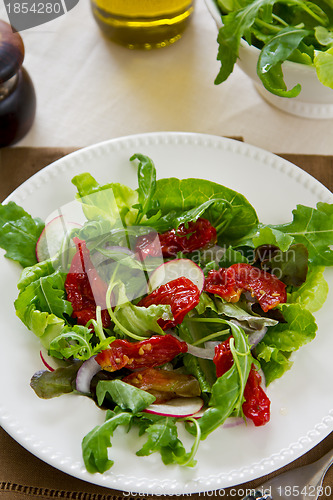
143	24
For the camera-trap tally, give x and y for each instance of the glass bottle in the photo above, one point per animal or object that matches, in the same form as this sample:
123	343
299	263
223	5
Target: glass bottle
17	94
143	24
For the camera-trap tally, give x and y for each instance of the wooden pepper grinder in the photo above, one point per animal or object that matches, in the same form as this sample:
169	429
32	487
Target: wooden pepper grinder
17	93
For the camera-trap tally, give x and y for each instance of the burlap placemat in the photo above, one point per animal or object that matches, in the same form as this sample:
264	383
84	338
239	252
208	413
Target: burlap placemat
25	477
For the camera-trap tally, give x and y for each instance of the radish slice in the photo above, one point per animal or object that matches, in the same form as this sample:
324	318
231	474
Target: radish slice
174	269
178	407
52	236
233	422
228	424
86	372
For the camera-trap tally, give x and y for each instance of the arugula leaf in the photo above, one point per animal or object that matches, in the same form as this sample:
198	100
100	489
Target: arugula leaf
235	25
78	342
163	438
294	30
147	186
19	233
273	54
126	396
227	391
96	443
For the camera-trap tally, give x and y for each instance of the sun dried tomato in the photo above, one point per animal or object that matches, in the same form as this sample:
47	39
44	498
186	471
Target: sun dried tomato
164	384
148	245
230	282
181	294
257	405
186	238
154	351
223	358
84	287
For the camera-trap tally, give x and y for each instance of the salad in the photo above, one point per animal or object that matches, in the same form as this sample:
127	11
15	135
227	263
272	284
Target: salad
293	30
167	305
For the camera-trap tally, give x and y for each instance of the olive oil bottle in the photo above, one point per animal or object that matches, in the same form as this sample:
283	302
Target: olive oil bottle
143	24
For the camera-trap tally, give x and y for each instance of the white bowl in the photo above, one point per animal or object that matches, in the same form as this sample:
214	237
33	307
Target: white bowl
315	99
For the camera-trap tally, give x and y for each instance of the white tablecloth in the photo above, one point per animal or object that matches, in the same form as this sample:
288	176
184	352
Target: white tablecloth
90	89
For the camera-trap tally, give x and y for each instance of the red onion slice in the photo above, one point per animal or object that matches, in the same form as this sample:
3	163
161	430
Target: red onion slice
201	352
45	363
86	372
257	336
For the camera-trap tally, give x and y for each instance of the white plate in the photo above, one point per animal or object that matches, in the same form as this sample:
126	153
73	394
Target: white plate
302	413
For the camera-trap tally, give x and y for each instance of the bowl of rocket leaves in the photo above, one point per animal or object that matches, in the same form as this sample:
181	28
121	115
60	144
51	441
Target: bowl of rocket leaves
284	46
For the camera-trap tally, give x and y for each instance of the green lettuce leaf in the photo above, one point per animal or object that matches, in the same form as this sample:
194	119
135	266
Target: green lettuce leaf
233	215
48	384
46	294
274	362
284	338
313	293
140	321
269	236
323	62
41	303
101	203
173	220
33	273
19	233
314	228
